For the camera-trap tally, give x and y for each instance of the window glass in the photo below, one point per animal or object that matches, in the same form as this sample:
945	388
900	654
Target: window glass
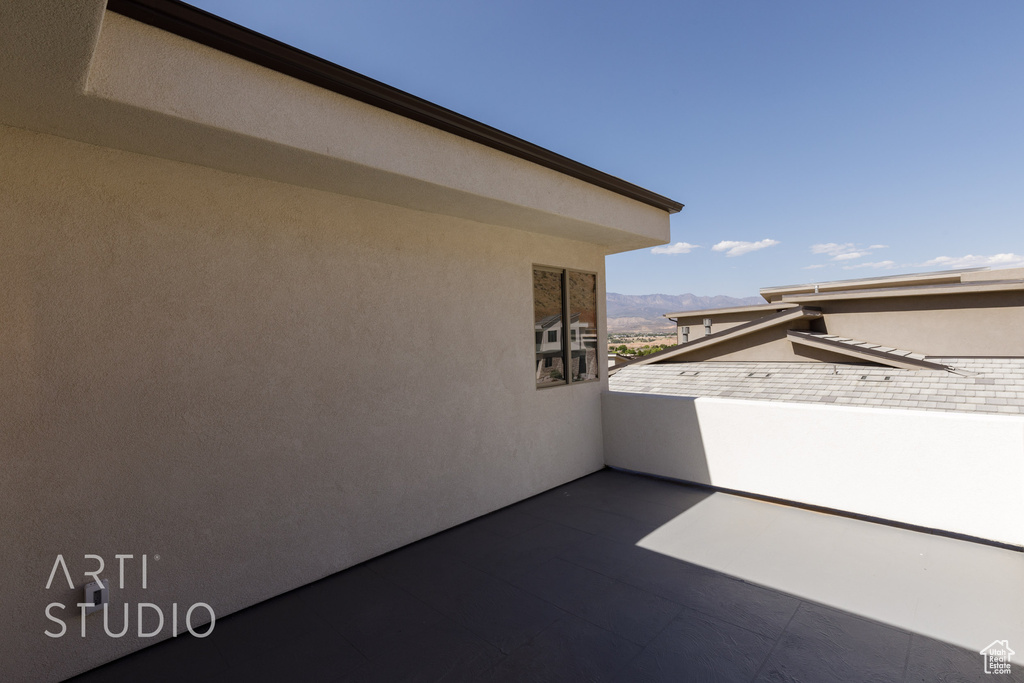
548	296
583	314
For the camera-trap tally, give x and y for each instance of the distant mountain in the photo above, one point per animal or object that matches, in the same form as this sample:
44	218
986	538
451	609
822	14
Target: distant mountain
643	312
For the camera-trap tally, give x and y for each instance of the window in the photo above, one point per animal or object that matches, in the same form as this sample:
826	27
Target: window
561	295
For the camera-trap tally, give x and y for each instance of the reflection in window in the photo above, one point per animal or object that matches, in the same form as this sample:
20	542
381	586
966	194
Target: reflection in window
583	313
548	300
561	358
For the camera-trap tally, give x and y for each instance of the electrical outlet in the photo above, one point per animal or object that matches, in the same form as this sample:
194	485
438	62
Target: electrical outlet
98	594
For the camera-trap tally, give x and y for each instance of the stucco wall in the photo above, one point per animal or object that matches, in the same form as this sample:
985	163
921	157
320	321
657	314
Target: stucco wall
259	383
957	473
982	324
719	323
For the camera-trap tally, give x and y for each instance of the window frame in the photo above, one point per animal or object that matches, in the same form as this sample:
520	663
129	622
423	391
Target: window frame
566	342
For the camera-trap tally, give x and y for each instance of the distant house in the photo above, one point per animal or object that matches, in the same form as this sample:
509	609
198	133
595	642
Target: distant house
947	341
549	341
894	321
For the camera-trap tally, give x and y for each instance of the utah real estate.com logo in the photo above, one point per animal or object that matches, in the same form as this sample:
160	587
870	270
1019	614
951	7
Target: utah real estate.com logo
98	591
997	657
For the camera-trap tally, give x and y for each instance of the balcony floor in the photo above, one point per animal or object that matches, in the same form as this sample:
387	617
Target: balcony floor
617	577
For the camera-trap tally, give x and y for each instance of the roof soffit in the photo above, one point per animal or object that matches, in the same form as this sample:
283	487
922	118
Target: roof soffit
105	79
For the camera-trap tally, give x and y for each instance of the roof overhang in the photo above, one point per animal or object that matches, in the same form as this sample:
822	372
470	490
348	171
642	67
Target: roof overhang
862	351
781	293
243	103
705	312
923	290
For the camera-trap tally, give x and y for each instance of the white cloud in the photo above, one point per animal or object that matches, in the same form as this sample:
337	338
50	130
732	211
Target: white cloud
832	249
845	251
876	264
677	248
976	261
817	265
733	248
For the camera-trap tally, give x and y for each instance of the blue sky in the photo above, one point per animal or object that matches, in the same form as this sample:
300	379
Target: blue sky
809	140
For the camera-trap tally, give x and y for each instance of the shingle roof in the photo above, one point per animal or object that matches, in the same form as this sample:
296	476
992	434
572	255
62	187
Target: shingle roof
980	385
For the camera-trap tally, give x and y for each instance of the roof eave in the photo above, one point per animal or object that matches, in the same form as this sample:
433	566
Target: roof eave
220	34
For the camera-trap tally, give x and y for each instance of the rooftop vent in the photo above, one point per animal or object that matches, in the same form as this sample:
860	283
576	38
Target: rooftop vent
876	378
759	375
689	373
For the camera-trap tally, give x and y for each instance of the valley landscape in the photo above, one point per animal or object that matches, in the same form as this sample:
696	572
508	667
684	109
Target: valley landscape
644	313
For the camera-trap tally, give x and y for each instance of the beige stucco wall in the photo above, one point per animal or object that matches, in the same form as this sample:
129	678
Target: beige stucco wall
719	322
970	324
260	383
981	324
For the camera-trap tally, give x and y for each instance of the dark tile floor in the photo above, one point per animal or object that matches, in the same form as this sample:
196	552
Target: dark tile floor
551	589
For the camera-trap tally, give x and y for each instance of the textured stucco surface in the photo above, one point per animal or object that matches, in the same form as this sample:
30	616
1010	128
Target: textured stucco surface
954	472
979	324
258	382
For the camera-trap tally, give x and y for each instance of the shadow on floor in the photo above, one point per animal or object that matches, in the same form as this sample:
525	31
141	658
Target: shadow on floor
551	589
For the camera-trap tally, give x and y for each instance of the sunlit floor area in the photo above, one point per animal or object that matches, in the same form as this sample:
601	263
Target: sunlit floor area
618	577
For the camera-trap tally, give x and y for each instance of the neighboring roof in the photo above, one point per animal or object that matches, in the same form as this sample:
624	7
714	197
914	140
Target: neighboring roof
700	313
782	317
921	290
962	281
208	29
981	385
863	351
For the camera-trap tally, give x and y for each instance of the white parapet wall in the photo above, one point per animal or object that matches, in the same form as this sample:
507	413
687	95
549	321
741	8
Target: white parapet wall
957	473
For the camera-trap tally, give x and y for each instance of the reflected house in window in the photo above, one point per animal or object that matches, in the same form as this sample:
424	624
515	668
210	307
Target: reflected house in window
551	301
550	364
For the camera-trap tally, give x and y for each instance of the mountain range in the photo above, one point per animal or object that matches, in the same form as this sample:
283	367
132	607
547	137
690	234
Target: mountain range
644	312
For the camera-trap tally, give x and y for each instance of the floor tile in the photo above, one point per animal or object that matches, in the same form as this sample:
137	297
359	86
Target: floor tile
752	607
620	608
697	647
569	650
514	556
321	656
823	644
614	577
492	608
444	652
369	611
596	521
605	556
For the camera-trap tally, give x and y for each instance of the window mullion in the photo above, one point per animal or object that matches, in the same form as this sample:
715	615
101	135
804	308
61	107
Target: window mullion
566	328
